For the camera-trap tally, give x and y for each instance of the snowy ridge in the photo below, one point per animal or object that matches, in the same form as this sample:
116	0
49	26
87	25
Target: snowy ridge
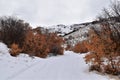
60	29
64	29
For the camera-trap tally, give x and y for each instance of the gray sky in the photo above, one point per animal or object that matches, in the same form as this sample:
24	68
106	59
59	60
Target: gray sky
51	12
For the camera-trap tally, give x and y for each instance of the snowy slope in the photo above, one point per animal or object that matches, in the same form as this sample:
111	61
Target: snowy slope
64	29
71	33
60	29
70	66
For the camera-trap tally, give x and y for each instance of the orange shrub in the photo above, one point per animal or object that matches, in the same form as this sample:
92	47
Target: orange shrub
104	47
15	50
39	44
80	48
35	45
55	44
69	47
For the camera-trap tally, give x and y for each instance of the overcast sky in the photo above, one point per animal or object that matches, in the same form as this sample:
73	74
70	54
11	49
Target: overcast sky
51	12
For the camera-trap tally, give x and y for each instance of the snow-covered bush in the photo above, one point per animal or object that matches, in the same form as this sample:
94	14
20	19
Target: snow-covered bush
104	47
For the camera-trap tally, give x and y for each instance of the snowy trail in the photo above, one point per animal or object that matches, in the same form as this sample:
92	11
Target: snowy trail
71	66
21	71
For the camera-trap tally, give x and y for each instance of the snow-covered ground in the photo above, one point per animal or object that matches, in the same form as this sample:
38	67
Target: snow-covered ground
70	66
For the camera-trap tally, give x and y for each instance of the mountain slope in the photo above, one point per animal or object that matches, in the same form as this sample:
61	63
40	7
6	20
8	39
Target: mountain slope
64	29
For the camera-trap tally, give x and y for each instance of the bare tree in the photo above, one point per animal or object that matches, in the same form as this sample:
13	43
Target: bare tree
111	13
12	30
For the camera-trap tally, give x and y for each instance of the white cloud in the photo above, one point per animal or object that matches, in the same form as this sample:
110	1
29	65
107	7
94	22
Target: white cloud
50	12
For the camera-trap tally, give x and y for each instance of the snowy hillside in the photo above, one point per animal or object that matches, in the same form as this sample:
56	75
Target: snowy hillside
71	33
70	66
64	29
76	32
77	36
